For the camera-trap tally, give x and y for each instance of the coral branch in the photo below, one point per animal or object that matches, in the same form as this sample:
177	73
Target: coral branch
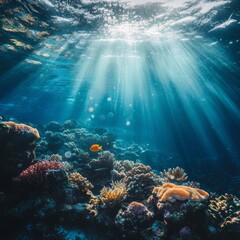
38	173
176	174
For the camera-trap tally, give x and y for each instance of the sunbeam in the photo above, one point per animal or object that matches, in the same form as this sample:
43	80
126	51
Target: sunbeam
168	86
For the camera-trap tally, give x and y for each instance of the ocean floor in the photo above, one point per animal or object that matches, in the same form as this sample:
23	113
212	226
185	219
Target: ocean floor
53	187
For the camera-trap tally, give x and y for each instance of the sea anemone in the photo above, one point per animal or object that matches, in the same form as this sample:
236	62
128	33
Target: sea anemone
112	196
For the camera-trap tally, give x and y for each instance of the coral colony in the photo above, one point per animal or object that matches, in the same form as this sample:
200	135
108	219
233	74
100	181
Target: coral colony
55	188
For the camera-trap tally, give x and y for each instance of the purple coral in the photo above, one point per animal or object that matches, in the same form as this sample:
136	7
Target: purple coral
138	210
134	217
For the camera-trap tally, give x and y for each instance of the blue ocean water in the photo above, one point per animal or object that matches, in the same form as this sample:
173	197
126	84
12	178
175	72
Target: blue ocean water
161	74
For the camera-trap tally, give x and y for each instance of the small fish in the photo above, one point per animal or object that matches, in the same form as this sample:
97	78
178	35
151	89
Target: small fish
96	148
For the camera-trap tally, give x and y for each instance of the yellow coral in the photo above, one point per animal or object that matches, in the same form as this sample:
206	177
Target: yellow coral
93	205
172	192
225	208
113	195
82	182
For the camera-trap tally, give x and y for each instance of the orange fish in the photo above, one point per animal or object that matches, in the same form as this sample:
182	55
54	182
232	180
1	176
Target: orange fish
96	148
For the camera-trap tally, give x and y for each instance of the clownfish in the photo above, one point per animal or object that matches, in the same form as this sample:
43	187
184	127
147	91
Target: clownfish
96	148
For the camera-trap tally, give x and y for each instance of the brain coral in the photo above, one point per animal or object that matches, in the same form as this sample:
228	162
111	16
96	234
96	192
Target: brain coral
172	192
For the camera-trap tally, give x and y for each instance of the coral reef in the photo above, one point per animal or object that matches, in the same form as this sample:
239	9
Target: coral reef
140	181
83	184
21	129
93	205
43	173
55	195
120	168
182	219
76	190
17	150
70	141
99	170
70	124
183	209
176	174
113	196
225	213
171	192
133	220
123	166
105	160
53	126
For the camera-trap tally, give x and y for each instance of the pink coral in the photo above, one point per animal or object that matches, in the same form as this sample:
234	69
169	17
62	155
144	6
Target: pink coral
131	220
38	172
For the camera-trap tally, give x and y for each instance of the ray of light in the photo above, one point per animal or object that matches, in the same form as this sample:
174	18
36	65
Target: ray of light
173	88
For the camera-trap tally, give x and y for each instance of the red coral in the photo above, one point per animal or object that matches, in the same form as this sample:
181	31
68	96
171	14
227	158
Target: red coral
38	172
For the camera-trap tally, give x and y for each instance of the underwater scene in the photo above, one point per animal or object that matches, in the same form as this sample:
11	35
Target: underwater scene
119	120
